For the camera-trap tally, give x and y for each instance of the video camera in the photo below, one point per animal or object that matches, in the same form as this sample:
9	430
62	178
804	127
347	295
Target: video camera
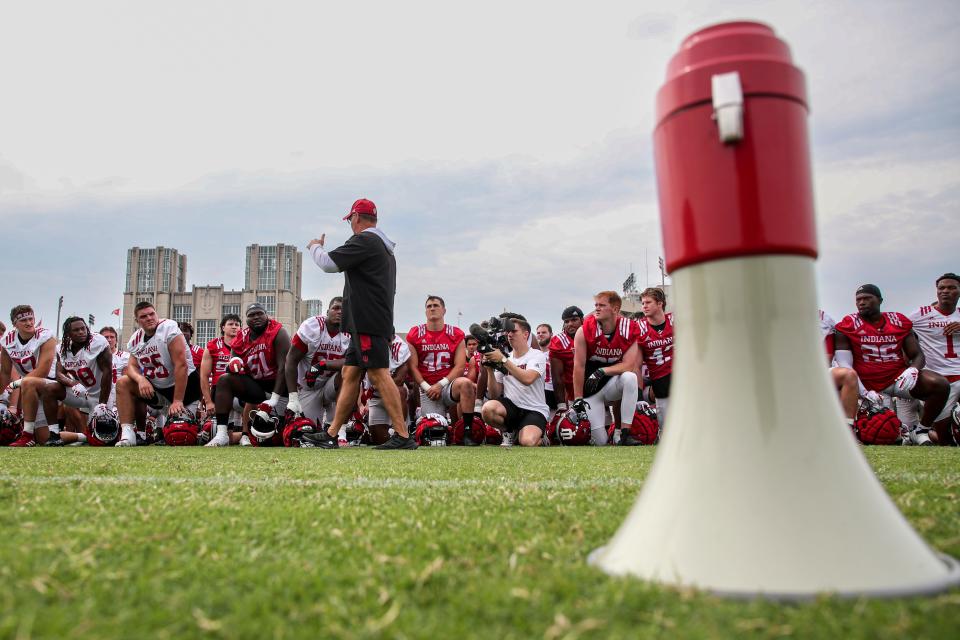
494	335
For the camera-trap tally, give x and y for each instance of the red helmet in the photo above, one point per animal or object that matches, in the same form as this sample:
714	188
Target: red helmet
266	427
294	428
154	428
876	424
481	433
103	429
10	427
645	428
569	432
432	430
181	431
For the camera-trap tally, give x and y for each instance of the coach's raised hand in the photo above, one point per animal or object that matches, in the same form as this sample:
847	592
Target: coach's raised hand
318	241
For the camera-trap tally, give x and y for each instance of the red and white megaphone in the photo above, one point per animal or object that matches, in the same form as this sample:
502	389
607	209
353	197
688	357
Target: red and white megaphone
758	487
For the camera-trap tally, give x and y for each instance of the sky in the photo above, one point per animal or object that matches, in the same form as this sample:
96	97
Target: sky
507	145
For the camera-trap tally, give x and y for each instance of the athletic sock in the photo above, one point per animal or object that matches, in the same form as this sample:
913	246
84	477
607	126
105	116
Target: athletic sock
29	426
81	437
223	418
127	432
467	421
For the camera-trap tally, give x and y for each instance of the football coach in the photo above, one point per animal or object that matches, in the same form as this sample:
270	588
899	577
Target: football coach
370	282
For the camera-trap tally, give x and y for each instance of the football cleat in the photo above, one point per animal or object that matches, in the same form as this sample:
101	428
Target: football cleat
219	440
25	440
919	436
320	440
398	442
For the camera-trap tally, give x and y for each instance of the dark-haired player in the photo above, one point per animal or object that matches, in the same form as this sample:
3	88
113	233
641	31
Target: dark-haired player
215	358
31	350
255	371
196	351
160	372
561	356
874	345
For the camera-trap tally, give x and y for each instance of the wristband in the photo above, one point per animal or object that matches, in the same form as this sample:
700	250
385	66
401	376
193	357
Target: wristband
444	382
602	372
425	385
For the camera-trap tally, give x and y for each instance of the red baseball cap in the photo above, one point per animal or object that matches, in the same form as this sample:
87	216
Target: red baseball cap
363	207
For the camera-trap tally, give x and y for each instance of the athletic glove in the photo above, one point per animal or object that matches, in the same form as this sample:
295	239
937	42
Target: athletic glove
314	372
293	404
595	382
580	407
272	400
908	379
236	365
873	397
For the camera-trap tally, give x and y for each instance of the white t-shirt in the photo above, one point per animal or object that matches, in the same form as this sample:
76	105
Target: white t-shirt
153	353
941	352
529	397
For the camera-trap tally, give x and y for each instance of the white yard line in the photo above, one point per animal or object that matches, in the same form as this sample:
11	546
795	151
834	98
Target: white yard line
332	481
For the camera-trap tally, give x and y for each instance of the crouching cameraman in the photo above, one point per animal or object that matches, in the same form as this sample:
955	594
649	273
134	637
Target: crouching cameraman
517	385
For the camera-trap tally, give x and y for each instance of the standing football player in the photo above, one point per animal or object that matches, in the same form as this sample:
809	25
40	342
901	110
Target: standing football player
254	373
32	351
437	361
605	359
938	329
319	344
160	371
874	345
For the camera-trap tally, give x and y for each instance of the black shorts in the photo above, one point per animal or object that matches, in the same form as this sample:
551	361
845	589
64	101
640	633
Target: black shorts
254	391
368	352
191	395
661	387
518	418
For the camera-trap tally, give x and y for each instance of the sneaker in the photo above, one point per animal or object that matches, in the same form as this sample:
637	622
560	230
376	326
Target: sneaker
321	440
468	440
25	440
507	439
54	440
397	442
219	440
627	440
918	436
245	441
125	443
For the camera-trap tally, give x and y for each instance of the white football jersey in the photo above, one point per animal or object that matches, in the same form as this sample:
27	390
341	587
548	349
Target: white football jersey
940	351
826	324
399	353
152	353
120	361
320	345
83	364
25	355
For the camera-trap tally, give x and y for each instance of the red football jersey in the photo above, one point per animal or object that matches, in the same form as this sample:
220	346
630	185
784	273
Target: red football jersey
656	347
219	355
473	362
196	351
877	349
435	350
604	351
561	348
257	353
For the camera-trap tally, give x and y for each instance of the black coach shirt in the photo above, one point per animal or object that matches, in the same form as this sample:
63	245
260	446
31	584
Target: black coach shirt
370	282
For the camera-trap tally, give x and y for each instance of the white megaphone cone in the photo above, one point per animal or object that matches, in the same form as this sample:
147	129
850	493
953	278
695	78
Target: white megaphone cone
758	487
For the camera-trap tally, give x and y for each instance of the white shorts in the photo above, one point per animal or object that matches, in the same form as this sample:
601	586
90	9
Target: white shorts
437	406
320	403
622	387
908	407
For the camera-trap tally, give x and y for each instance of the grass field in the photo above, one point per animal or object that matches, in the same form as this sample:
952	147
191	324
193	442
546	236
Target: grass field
438	543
